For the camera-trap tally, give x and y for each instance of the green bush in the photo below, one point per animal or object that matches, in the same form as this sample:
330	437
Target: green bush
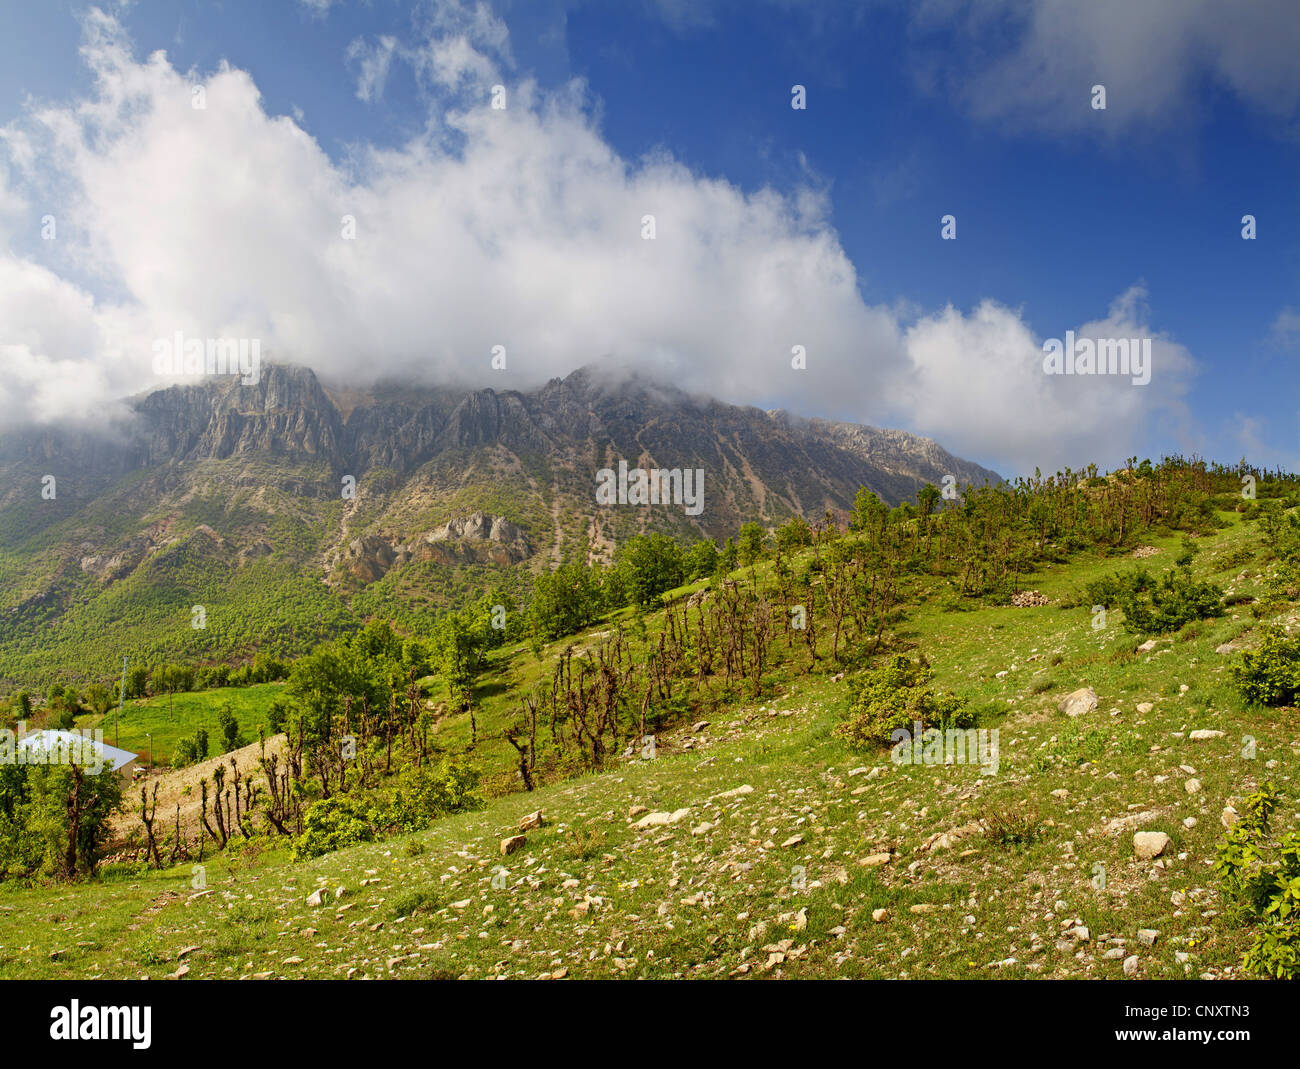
422	795
1109	589
1269	674
34	822
333	823
1261	875
230	737
191	749
277	716
1176	600
893	697
409	903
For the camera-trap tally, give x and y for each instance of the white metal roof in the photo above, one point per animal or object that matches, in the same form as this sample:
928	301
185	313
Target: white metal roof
55	742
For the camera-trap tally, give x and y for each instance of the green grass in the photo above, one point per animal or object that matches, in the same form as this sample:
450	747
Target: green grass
725	901
170	719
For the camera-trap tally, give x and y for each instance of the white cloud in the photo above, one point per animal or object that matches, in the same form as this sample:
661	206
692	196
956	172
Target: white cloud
978	386
1033	62
374	61
520	228
1285	331
318	8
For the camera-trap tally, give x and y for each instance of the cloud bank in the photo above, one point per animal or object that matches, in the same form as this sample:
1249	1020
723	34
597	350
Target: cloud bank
517	227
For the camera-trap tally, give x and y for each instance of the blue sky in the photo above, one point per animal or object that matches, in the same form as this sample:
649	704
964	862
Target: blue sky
1128	217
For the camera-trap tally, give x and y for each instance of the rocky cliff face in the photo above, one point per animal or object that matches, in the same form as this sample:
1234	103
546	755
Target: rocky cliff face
291	508
801	464
218	483
474	539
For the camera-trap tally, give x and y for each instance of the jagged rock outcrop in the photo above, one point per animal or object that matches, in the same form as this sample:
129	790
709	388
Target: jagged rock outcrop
474	539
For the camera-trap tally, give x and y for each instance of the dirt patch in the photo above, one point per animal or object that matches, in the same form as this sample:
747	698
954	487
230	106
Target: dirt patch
182	786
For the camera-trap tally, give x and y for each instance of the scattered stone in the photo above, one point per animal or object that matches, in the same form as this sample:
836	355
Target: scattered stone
872	860
513	843
637	810
1144	707
1147	646
1148	936
1149	844
318	897
1228	817
880	915
946	839
1205	733
794	840
1191	786
1083	700
744	788
1131	965
656	820
531	821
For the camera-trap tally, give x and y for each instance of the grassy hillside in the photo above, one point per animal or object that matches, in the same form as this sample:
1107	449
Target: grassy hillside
170	718
1037	874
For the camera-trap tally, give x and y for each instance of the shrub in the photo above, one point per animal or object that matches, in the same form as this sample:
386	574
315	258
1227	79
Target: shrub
230	737
424	794
893	697
191	750
1110	588
1175	601
1261	874
582	844
331	824
1013	826
277	716
1269	674
409	903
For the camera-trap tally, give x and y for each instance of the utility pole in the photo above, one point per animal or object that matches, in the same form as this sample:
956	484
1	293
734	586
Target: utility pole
121	696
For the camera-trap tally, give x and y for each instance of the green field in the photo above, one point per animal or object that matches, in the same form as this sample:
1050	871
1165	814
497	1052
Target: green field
719	892
172	718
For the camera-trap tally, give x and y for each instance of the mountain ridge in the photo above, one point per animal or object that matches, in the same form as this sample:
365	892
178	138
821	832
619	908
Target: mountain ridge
331	499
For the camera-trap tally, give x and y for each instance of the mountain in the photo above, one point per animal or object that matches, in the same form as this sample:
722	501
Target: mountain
289	509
